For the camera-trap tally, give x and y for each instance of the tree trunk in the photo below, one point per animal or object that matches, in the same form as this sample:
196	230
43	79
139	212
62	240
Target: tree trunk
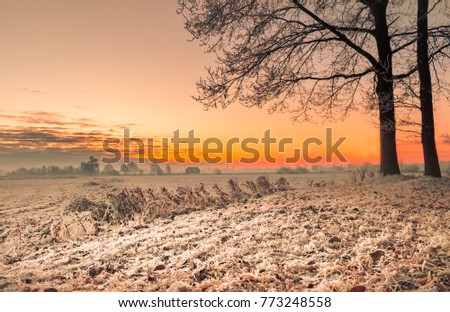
385	91
426	96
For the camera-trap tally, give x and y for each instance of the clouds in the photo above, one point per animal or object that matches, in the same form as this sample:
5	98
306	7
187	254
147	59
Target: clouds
35	146
43	136
18	139
48	118
41	133
126	125
33	90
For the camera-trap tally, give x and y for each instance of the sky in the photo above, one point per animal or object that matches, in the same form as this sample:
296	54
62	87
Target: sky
75	72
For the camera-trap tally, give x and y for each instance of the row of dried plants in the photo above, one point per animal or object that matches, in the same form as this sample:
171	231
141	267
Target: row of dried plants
138	203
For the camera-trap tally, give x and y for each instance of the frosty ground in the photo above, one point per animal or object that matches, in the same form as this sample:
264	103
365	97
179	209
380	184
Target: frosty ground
326	233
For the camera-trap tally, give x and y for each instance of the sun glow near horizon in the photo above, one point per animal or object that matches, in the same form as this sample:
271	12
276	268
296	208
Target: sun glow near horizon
68	85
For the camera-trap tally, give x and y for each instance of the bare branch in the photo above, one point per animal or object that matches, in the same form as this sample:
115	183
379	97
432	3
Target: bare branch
431	57
340	35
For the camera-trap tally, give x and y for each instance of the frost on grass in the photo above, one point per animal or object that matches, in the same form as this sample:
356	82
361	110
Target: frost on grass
146	204
385	234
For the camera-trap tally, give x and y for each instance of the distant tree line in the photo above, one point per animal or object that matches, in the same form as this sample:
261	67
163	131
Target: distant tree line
45	170
407	168
287	170
313	169
89	167
92	167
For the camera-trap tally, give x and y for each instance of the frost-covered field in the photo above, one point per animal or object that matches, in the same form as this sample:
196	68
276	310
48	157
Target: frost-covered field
385	234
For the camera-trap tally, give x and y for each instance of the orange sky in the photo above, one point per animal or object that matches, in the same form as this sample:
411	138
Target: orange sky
74	72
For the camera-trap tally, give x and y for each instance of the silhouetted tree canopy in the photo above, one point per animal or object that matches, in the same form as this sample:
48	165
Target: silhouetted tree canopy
110	170
155	169
130	168
311	58
90	167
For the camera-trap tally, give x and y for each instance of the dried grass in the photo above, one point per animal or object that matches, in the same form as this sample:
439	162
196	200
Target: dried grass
384	234
146	204
73	226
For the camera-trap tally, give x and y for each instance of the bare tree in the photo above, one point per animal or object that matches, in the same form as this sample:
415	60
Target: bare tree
91	167
313	60
426	97
385	86
425	42
270	52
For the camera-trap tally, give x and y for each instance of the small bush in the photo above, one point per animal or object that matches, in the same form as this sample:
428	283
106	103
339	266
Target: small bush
358	172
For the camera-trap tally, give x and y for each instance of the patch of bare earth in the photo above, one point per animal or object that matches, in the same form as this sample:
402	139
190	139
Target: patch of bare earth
386	234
